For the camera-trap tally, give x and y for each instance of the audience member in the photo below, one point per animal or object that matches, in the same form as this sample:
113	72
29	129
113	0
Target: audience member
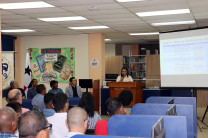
32	91
54	86
126	97
76	121
114	107
33	124
15	85
15	95
17	107
61	105
73	90
48	111
87	103
38	101
8	122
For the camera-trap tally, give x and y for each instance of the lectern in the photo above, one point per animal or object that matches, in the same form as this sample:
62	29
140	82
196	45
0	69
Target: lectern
135	87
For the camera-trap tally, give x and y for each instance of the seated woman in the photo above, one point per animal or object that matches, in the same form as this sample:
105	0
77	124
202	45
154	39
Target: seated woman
54	86
126	98
124	77
87	103
15	85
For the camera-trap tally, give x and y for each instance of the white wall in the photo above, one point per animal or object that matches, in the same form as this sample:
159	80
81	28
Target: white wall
110	49
79	42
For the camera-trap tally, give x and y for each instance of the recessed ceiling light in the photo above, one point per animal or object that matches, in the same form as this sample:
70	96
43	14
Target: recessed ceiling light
17	30
167	12
88	27
153	33
128	0
57	19
108	40
25	5
174	23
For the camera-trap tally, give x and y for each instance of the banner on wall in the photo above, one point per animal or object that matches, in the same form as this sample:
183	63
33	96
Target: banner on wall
52	64
7	68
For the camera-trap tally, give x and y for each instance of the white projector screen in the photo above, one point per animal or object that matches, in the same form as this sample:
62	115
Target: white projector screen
184	58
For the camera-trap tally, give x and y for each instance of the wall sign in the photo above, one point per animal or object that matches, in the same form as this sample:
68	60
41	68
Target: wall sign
94	63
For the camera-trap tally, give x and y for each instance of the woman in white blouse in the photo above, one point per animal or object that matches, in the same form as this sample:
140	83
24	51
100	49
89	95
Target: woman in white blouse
124	77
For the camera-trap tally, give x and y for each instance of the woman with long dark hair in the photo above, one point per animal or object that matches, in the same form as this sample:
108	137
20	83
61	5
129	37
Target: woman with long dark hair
124	77
87	103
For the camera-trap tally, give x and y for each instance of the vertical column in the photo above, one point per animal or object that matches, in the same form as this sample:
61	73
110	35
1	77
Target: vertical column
18	61
0	67
96	45
96	56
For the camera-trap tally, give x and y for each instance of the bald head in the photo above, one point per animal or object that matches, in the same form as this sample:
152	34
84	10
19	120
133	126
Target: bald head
77	119
8	120
15	95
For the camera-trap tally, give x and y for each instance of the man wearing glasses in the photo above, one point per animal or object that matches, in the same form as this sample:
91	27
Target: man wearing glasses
33	124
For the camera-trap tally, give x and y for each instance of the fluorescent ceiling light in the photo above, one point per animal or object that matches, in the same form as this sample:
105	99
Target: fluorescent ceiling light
25	5
153	33
17	30
108	40
57	19
128	0
174	23
88	27
167	12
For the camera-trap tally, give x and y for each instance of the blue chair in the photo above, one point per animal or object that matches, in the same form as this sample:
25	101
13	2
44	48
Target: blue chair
150	109
178	100
160	109
131	125
73	101
141	125
27	103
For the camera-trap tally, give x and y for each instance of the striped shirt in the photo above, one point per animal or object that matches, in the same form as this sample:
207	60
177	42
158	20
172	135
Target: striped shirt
93	120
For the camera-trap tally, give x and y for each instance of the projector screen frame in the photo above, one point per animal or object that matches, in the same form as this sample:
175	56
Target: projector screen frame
180	30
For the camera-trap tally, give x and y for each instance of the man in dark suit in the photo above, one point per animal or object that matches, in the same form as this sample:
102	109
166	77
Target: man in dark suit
73	90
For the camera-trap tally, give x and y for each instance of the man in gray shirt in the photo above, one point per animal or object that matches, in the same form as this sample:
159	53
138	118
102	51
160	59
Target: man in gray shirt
73	90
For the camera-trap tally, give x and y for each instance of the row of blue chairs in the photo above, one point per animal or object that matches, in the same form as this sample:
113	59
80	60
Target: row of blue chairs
145	115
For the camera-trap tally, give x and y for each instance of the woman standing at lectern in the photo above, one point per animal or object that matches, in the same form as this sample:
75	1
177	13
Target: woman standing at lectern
124	77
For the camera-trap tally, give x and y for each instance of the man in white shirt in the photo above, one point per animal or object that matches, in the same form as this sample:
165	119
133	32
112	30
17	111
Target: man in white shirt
61	105
76	121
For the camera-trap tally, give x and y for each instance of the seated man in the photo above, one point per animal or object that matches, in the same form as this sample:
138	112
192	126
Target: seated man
126	98
73	90
15	85
61	106
33	124
114	107
32	91
38	101
76	121
8	122
15	95
48	111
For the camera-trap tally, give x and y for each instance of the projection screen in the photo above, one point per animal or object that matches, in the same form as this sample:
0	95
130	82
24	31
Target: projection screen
184	58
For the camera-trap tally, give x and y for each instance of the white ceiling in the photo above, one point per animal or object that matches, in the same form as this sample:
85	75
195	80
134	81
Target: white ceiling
120	17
